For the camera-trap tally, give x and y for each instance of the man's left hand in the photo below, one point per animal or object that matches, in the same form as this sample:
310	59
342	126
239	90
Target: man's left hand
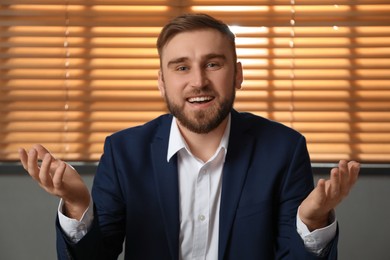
315	209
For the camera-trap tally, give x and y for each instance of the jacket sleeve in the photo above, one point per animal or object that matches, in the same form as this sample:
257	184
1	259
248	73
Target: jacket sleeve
105	238
297	184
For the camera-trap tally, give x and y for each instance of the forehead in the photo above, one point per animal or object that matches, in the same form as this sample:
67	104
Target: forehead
195	44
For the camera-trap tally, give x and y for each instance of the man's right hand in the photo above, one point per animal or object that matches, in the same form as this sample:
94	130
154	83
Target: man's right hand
57	178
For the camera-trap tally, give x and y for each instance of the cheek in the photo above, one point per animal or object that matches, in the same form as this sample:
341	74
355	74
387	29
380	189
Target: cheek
174	86
172	93
225	85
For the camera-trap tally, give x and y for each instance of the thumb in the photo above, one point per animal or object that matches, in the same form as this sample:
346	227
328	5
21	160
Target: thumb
313	202
320	192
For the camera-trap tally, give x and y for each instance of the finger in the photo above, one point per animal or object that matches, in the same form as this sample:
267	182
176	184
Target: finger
334	183
327	187
42	151
44	172
23	157
32	164
344	178
354	169
59	175
321	193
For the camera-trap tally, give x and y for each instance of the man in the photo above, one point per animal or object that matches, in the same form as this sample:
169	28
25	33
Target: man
204	182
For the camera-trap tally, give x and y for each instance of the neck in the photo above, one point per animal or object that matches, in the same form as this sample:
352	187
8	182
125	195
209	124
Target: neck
203	146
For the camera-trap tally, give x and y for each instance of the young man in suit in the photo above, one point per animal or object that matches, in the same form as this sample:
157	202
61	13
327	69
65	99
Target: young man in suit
203	182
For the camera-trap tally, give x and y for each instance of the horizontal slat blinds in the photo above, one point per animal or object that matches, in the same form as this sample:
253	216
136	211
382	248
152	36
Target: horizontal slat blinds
72	72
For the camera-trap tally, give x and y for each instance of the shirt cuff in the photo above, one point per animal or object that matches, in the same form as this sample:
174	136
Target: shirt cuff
74	229
317	240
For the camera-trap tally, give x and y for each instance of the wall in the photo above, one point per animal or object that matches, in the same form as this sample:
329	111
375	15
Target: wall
27	217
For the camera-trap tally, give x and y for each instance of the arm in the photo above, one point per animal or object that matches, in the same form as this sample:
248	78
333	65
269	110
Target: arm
297	188
296	185
58	179
61	180
104	239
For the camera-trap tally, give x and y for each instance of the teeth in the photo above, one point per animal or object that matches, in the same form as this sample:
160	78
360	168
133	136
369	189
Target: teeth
199	99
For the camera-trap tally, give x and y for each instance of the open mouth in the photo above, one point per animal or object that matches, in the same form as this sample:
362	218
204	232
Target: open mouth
200	100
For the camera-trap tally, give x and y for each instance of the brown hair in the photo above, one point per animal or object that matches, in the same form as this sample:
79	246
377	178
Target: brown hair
191	22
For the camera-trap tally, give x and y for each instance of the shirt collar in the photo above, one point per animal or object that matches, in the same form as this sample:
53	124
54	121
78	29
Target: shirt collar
177	142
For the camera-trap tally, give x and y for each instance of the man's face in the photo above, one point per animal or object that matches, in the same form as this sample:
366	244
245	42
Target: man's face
198	79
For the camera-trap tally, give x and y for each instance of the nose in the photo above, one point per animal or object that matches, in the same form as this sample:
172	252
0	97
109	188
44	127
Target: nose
198	78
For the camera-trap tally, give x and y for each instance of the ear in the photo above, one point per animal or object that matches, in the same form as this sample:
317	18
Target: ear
239	75
161	83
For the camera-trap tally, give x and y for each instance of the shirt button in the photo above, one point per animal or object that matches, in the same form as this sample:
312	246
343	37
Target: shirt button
202	218
309	240
81	227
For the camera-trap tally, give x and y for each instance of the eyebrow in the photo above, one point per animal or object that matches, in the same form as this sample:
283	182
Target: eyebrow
215	56
177	61
207	57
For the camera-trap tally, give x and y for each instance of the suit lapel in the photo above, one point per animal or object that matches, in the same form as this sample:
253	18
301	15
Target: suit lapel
234	174
166	181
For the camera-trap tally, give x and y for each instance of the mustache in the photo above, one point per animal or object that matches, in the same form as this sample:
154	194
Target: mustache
207	91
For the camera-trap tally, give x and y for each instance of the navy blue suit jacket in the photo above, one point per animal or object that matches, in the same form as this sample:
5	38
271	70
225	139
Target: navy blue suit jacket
266	175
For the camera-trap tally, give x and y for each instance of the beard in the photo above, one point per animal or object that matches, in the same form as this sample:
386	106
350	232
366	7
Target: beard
206	120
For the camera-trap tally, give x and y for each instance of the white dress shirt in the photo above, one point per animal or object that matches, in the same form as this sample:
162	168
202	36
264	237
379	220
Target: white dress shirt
200	185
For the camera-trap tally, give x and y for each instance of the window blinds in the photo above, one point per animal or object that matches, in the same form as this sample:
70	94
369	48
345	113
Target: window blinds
72	72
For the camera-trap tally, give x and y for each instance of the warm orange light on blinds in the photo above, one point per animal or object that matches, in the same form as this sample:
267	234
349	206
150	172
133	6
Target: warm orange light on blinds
129	8
71	74
226	8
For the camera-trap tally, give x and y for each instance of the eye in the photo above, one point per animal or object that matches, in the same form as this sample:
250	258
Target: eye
213	65
182	68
